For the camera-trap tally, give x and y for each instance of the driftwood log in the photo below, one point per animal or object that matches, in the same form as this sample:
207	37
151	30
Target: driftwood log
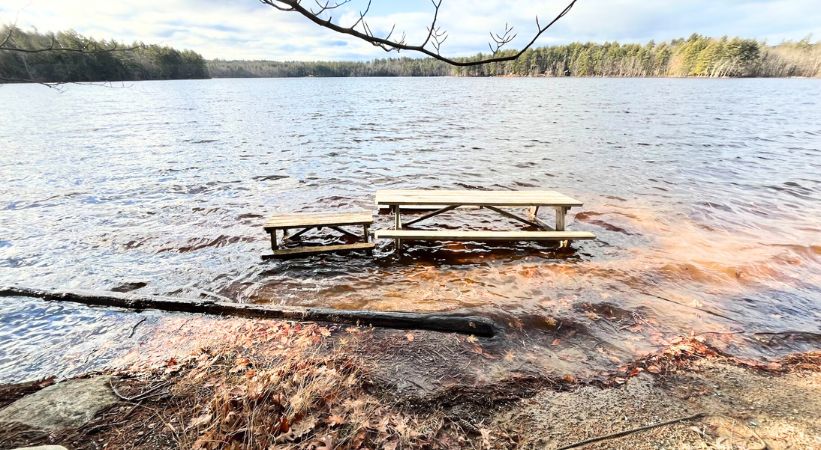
453	323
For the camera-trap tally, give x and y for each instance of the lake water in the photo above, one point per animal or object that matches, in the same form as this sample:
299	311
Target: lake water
705	196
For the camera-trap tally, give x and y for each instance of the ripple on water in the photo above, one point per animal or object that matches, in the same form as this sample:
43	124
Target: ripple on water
703	225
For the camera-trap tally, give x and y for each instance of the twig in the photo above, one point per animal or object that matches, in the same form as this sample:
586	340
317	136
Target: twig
688	306
139	397
134	328
631	431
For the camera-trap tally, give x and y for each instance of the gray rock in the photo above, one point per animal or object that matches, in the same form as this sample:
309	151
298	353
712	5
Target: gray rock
43	447
69	404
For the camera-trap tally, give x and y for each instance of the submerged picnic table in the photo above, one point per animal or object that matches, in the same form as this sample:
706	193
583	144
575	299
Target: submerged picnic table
446	200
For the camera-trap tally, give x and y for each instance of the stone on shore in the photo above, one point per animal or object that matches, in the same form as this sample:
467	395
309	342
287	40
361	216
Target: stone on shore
69	404
42	447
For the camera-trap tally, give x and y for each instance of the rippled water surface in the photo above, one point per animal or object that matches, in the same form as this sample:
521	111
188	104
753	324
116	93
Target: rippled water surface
705	196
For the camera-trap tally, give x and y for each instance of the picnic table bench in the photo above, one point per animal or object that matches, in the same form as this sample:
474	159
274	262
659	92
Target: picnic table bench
442	201
308	221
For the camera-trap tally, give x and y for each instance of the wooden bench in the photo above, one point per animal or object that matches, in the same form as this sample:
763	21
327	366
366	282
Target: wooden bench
309	221
449	200
456	235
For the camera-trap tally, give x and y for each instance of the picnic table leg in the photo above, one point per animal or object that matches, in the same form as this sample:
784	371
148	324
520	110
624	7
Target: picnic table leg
397	225
560	216
365	232
274	245
560	212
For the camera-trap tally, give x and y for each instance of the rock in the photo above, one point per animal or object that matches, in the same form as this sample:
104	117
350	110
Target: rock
43	447
69	404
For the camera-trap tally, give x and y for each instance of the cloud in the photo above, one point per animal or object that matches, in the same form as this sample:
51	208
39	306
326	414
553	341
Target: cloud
247	29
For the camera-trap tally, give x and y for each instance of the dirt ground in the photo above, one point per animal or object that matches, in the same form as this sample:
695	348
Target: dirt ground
276	384
743	408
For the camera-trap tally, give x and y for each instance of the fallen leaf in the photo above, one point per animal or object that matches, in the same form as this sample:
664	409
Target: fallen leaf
555	342
654	369
200	421
240	365
409	336
568	378
485	437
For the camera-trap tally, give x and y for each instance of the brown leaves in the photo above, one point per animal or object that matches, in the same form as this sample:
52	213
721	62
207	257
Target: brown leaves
241	364
335	420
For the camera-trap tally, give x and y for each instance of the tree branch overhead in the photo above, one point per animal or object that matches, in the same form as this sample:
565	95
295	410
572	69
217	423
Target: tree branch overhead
430	46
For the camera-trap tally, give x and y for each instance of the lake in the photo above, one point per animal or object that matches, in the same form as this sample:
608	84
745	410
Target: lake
705	196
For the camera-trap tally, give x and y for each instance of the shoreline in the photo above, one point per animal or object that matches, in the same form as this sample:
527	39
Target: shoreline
300	384
689	77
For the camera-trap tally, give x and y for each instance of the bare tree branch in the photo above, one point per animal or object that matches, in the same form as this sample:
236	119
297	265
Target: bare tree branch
8	45
431	46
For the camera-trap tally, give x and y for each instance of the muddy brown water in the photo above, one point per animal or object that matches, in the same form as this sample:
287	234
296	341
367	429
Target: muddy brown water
705	196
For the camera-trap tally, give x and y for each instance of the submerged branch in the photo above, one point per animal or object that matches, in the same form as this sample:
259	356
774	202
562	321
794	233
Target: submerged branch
452	323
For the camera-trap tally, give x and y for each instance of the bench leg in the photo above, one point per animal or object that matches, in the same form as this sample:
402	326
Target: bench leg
365	232
274	245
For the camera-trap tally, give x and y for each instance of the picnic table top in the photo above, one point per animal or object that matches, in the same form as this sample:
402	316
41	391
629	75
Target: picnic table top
474	197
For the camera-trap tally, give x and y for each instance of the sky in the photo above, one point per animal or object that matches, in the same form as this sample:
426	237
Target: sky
248	29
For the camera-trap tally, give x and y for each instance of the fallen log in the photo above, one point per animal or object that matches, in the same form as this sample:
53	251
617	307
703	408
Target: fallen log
453	323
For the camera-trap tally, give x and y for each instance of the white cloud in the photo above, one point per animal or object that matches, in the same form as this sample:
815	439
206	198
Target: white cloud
246	29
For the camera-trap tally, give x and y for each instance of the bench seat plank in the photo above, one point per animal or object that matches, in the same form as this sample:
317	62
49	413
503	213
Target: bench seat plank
473	197
317	219
456	235
315	249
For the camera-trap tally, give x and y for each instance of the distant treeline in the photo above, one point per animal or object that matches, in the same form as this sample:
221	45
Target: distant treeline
391	67
697	56
127	62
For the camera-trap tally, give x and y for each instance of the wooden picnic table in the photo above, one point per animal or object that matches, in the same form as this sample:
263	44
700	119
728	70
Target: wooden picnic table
442	201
